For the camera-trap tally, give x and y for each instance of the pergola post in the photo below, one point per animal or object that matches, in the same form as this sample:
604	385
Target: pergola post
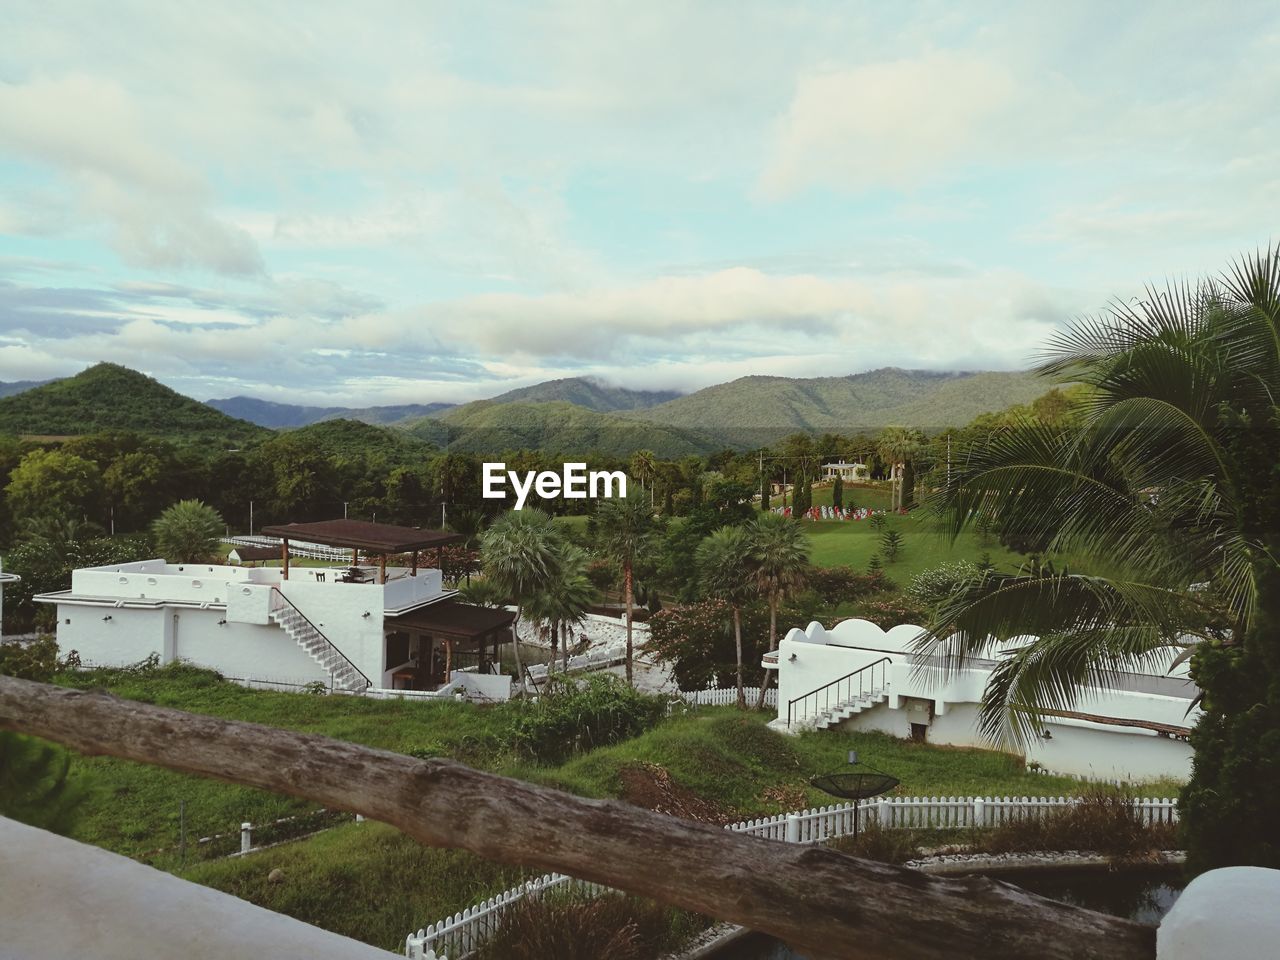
284	557
413	571
355	556
382	568
448	658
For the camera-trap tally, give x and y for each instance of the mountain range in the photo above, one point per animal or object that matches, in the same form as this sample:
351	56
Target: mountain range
571	416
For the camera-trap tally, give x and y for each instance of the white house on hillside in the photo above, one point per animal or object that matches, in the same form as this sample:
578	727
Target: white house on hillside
351	626
856	676
848	472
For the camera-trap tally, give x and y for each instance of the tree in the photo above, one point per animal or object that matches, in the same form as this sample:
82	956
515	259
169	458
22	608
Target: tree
644	467
564	601
837	493
132	483
779	559
522	552
899	446
725	568
1166	478
187	532
52	483
626	527
891	544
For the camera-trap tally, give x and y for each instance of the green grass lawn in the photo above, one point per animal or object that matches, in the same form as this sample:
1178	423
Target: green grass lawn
853	542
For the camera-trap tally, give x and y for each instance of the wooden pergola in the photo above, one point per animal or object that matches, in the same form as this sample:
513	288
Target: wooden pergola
379	540
458	627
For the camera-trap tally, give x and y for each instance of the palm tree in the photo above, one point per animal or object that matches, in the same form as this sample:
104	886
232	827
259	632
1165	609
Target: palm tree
899	446
564	602
626	526
187	532
522	551
725	568
779	559
644	467
1167	480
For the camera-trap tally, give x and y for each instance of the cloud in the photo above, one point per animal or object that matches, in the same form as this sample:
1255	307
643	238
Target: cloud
895	123
98	138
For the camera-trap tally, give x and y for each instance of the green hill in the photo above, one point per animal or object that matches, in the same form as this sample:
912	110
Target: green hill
110	397
590	393
753	411
490	427
350	439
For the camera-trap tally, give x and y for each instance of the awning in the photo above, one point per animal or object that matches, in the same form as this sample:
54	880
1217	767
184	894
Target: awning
451	618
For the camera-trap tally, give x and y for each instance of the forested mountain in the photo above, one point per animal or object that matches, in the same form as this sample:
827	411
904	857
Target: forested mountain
267	413
752	411
107	397
344	439
590	393
490	427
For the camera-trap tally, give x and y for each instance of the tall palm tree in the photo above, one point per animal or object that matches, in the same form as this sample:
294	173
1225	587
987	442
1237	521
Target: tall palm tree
644	467
899	446
1170	485
626	527
779	560
725	569
564	601
522	552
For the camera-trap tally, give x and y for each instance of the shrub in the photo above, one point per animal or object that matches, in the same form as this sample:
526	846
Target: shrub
936	585
891	544
579	927
29	659
573	715
843	584
1103	821
875	842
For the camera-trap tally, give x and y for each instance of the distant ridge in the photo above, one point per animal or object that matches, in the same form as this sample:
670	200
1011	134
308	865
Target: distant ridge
108	397
588	392
268	413
20	386
758	410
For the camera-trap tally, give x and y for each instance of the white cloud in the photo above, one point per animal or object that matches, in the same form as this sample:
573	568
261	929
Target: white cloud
894	123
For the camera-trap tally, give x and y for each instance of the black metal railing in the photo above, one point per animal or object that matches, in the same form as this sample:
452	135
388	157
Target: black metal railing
851	686
320	633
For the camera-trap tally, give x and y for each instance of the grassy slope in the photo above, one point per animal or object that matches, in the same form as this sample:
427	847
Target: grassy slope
369	882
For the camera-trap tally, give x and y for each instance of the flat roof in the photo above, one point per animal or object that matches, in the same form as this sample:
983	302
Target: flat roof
453	618
371	537
248	554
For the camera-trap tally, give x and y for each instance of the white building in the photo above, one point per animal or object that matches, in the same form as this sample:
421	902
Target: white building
349	627
5	578
856	676
848	472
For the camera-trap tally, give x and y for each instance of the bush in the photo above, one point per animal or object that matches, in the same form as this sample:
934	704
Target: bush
1103	821
844	584
574	715
29	659
580	927
883	845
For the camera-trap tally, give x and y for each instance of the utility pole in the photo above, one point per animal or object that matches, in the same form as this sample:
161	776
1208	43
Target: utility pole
113	519
251	518
344	509
443	519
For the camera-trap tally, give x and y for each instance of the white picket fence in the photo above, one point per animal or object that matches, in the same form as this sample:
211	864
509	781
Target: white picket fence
728	696
464	933
297	548
459	936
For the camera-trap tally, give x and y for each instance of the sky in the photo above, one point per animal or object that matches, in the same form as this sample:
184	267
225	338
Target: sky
385	202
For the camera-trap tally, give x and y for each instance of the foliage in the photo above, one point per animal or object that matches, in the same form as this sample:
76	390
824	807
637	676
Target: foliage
836	585
1102	821
110	397
837	493
584	927
53	483
29	659
725	570
1166	478
575	715
187	532
45	566
889	610
34	783
890	544
934	587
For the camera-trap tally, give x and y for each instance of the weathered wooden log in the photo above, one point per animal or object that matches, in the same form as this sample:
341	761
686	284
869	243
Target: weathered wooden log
826	903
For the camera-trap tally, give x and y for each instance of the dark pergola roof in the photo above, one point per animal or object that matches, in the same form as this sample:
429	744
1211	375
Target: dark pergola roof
454	619
370	537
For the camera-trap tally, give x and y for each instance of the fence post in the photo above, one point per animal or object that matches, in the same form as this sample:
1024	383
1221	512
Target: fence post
246	837
979	812
792	834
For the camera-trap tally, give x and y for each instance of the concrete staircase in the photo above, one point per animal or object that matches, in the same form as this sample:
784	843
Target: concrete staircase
342	672
845	710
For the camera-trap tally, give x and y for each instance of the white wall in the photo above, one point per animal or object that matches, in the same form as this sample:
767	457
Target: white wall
1076	747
